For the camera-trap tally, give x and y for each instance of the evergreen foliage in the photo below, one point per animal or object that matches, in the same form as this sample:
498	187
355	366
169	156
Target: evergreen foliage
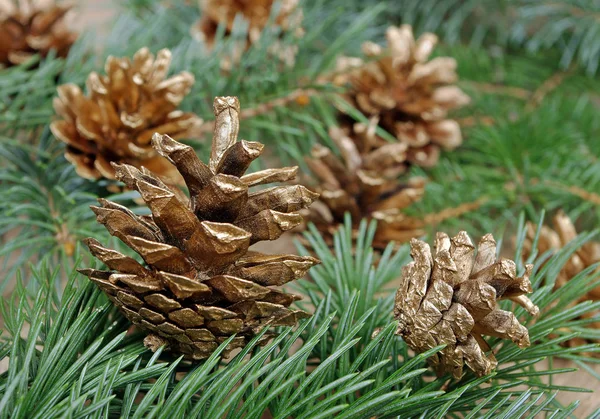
569	26
69	353
531	144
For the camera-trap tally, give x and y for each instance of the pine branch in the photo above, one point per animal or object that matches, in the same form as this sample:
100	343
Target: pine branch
73	357
517	161
455	212
44	204
69	353
76	359
565	26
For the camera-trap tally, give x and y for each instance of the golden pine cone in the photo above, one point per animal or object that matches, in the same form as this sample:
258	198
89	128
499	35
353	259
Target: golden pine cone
554	239
115	122
364	183
257	14
408	94
452	299
33	27
200	283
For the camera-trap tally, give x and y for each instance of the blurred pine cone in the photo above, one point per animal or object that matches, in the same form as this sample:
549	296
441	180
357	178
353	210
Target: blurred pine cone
408	94
452	299
364	182
554	239
115	122
33	27
257	14
200	283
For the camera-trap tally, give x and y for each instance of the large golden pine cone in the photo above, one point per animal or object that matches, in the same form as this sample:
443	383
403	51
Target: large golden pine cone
33	27
554	239
452	298
115	121
408	94
364	182
199	283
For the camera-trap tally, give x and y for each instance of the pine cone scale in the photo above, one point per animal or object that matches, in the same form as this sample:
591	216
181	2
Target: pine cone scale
195	173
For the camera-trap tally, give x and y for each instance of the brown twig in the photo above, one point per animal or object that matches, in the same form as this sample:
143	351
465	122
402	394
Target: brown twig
575	11
446	213
592	197
534	99
470	121
546	87
498	89
299	95
63	235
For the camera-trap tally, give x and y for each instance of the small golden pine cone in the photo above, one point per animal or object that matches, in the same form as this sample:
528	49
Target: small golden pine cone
410	94
115	121
33	27
199	283
364	182
452	298
256	12
554	239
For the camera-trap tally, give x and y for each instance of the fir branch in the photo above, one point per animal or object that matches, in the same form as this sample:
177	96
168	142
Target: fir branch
44	204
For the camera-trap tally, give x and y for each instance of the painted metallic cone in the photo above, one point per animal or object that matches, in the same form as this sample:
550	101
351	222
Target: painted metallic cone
555	238
196	282
33	27
115	121
408	93
451	298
